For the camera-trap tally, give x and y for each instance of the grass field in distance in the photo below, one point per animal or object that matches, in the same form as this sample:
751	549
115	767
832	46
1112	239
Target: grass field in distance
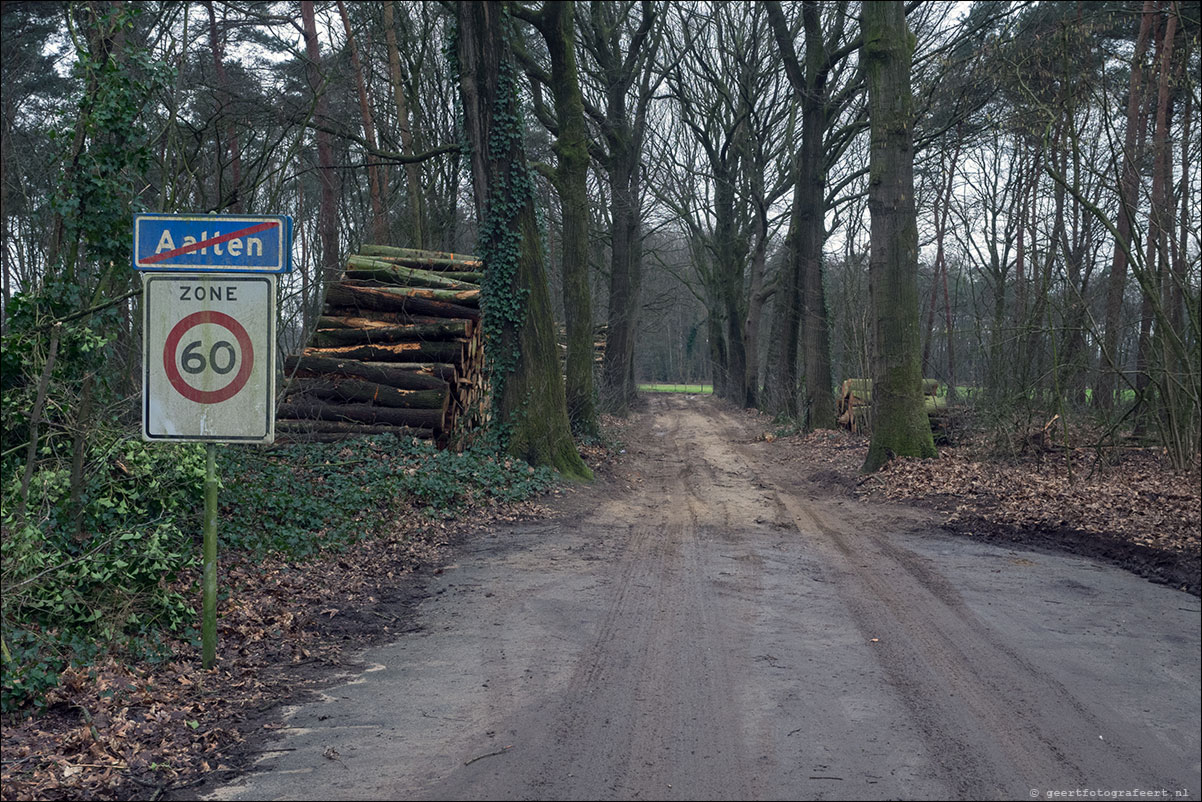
697	389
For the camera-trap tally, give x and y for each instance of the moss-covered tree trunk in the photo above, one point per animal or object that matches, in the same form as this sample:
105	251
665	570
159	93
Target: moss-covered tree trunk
528	396
900	426
558	27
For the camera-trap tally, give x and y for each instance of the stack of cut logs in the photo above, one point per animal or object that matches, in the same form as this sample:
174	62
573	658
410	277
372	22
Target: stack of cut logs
398	349
600	335
855	398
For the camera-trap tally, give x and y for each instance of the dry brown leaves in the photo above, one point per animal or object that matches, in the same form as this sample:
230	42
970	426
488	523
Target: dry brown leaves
1137	505
124	729
1138	499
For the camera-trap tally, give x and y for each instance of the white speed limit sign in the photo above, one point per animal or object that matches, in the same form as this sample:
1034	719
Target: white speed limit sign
209	357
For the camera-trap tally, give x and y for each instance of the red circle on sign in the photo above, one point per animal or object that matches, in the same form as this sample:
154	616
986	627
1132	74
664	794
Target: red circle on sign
240	378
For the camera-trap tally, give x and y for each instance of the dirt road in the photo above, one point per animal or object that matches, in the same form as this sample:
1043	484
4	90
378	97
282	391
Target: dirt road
710	627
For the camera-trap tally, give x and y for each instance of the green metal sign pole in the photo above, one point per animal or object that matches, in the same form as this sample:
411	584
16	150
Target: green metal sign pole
209	281
208	628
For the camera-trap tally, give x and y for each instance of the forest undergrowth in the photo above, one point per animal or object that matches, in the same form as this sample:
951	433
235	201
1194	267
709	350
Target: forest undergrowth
315	579
1124	505
313	538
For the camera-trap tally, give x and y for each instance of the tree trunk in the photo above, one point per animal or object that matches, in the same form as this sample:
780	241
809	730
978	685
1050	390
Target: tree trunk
467	297
377	177
781	380
412	332
413	169
819	400
626	55
327	213
359	267
625	279
1174	414
719	358
939	275
727	307
1150	274
1188	203
342	390
1111	366
231	200
421	377
1187	324
571	150
35	418
414	351
528	390
304	409
387	299
64	243
804	302
755	304
901	426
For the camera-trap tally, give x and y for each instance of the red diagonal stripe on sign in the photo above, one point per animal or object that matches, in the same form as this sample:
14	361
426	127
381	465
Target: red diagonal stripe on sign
196	246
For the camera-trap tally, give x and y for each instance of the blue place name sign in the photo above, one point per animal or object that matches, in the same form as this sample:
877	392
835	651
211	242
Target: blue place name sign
225	243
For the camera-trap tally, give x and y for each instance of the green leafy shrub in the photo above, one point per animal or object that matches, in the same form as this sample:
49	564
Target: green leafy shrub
302	499
72	590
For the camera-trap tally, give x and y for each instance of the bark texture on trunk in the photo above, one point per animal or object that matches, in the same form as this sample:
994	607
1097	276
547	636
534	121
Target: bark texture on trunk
901	427
558	27
803	303
413	169
618	390
327	213
528	387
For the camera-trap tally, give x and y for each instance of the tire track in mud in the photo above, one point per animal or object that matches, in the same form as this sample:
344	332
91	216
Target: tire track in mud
649	704
987	713
703	628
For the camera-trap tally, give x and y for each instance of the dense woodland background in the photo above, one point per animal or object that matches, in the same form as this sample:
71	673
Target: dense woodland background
700	172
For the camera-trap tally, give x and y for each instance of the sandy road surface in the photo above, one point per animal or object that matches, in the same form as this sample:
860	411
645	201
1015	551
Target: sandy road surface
709	627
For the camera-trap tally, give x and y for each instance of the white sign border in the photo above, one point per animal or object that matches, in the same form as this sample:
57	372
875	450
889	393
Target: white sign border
271	279
285	235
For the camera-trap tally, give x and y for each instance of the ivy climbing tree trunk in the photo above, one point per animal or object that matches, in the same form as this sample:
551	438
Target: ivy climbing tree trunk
900	426
529	410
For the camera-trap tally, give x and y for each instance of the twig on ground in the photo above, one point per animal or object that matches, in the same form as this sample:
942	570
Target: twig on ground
500	751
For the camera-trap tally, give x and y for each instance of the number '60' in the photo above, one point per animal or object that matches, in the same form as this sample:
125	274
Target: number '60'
193	362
